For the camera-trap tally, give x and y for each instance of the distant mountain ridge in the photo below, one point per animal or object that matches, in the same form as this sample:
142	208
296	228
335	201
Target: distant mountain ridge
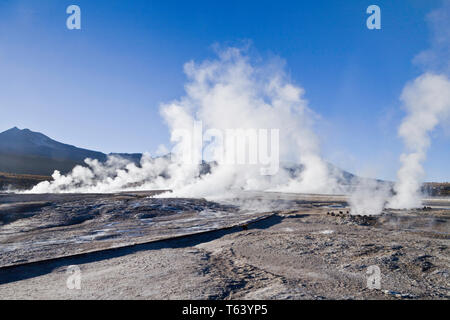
28	152
27	142
33	153
28	157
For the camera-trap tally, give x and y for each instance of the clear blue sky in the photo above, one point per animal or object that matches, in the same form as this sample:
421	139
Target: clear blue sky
100	87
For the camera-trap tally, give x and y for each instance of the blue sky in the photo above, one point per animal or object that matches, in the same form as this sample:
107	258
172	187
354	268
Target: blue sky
100	87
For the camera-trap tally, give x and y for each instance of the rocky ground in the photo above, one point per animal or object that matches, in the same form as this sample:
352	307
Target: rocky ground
310	248
40	227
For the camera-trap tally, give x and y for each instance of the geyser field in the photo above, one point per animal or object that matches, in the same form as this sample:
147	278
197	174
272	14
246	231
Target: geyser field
242	203
292	227
131	245
248	151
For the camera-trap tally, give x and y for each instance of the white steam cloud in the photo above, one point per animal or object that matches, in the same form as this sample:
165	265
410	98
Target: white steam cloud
232	92
427	101
229	92
369	197
436	59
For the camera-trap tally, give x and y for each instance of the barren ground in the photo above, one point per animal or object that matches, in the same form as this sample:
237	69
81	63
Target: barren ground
303	248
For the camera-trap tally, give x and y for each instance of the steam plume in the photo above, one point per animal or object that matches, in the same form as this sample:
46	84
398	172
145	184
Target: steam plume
427	103
369	197
229	92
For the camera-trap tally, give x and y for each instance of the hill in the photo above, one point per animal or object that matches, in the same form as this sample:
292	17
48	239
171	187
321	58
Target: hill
33	153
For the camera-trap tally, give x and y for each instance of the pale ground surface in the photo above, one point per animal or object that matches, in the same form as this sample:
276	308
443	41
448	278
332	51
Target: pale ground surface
300	253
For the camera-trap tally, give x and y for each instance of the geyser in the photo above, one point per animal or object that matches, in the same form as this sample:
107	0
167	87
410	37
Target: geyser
427	102
227	93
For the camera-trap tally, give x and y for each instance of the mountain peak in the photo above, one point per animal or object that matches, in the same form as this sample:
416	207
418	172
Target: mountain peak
17	130
26	151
